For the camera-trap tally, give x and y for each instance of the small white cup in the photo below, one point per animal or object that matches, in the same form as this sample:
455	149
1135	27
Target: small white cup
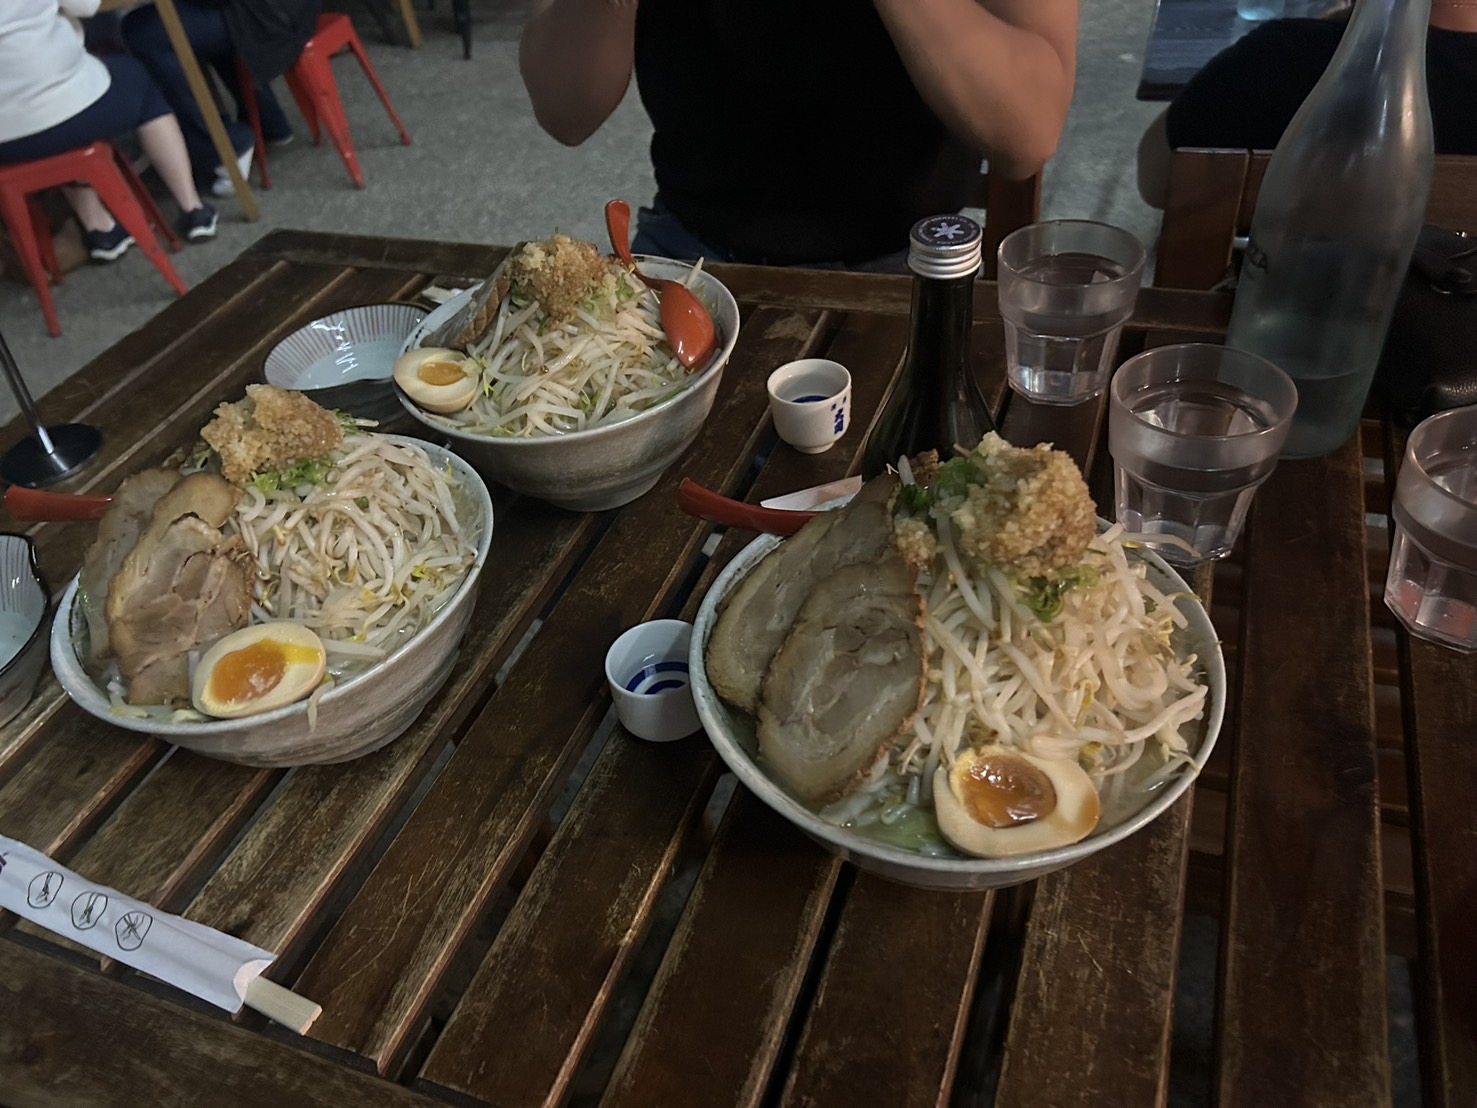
648	675
810	401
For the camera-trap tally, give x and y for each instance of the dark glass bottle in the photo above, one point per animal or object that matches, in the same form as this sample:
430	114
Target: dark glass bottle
936	402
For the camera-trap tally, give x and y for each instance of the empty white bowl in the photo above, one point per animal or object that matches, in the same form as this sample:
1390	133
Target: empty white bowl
606	466
355	717
346	360
24	603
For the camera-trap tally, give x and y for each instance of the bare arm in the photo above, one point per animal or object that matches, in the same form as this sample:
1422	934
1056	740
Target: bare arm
576	58
1154	163
999	73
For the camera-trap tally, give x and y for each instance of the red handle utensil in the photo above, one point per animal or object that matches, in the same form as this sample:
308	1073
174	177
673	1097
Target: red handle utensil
39	506
688	324
706	504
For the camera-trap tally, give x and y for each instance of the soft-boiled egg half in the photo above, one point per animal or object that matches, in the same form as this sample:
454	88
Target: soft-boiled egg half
998	800
258	668
437	379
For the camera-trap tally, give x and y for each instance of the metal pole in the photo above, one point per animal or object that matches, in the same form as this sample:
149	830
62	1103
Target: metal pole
54	452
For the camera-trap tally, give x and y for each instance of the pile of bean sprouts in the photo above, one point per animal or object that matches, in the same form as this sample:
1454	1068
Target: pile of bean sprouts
364	558
1101	683
540	376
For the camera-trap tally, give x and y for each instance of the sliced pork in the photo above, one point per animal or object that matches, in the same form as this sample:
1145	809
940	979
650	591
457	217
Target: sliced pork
848	679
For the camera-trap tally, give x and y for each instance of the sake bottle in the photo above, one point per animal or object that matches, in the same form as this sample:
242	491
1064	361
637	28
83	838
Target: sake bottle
1336	222
936	403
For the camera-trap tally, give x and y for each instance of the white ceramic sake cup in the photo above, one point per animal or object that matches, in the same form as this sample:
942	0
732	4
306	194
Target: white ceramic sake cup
810	402
648	674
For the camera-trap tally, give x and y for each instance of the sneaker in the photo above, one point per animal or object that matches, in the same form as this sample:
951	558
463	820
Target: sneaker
223	185
199	224
107	246
281	140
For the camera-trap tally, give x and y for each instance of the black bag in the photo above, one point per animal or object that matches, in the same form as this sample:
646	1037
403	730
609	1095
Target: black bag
1429	362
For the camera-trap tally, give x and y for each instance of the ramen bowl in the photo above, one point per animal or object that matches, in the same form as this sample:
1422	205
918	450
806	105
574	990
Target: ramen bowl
357	716
732	733
609	465
346	360
24	602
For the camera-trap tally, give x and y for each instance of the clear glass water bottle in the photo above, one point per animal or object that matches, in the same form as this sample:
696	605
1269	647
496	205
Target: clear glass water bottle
936	403
1336	222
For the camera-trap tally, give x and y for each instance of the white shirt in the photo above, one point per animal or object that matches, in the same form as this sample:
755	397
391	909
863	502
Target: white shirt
46	77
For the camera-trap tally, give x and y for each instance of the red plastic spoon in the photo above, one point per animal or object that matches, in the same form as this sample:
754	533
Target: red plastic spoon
689	325
38	506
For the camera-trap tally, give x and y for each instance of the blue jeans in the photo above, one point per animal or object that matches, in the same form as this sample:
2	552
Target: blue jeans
144	33
661	233
132	99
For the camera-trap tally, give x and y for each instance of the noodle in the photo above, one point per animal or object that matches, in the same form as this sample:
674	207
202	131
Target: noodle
541	376
1100	683
364	558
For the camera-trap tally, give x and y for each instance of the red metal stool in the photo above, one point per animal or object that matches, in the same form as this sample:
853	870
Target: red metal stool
116	184
311	81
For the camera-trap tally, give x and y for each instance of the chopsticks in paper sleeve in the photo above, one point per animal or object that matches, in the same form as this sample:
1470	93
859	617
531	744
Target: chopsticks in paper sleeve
209	964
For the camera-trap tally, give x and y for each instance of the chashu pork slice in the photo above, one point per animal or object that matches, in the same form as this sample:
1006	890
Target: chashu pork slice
182	586
848	680
758	614
117	533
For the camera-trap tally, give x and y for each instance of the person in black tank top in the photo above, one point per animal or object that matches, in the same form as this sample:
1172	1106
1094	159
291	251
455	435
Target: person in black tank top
795	132
1245	96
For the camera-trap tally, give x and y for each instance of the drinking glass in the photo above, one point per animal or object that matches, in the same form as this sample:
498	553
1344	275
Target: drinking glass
1194	429
1066	288
1432	582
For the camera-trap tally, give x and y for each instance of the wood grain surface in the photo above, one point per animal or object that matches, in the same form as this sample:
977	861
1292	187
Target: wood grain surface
634	953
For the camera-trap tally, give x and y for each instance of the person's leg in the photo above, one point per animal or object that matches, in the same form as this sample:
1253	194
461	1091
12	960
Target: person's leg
89	208
661	234
144	32
165	146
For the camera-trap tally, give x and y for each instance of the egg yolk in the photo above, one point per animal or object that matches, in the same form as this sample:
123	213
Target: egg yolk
440	373
255	670
1001	791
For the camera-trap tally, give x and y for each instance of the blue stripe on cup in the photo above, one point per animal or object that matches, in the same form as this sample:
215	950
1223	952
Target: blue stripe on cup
650	679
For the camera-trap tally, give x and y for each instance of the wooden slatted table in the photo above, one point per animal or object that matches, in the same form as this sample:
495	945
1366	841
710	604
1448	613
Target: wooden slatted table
516	903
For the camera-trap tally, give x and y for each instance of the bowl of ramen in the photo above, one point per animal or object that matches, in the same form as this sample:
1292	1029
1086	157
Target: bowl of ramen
279	609
553	377
935	684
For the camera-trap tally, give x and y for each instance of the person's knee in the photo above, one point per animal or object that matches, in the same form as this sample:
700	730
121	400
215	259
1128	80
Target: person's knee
144	34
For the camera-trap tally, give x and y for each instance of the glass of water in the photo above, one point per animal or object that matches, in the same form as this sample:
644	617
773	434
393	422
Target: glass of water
1067	286
1432	583
1194	429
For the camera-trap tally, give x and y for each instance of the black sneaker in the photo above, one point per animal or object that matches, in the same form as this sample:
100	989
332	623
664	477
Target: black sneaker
199	224
107	246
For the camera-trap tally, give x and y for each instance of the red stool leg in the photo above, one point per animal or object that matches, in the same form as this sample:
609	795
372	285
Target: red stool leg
16	213
41	228
358	48
146	202
316	74
118	195
304	102
254	117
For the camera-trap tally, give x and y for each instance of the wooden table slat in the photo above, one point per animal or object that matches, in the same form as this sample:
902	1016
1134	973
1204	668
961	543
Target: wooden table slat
543	988
745	942
1303	898
913	955
140	1047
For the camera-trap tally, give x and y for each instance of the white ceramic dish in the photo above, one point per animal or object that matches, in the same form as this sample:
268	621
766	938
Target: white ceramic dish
24	603
732	734
607	466
346	360
365	712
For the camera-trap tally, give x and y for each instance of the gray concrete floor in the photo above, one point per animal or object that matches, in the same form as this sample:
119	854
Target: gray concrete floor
480	170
